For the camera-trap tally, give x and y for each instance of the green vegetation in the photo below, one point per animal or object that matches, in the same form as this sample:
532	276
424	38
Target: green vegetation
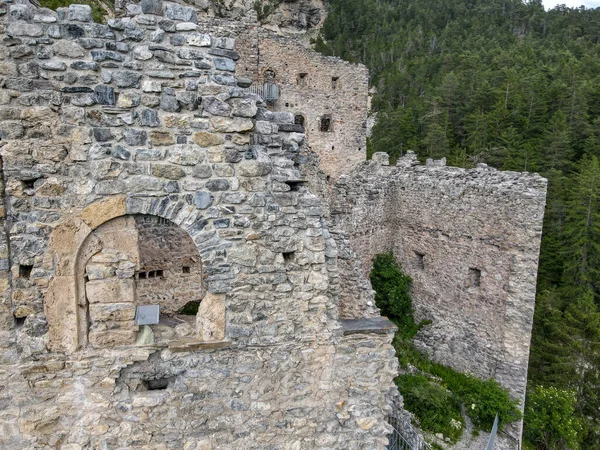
100	8
506	83
549	416
434	394
190	308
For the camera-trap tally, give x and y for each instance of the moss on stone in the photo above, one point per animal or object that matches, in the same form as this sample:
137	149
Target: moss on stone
100	9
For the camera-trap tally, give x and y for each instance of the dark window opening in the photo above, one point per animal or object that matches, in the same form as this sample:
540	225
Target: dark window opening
333	147
334	82
295	185
302	79
474	277
419	260
328	178
160	273
299	119
25	271
325	123
156	385
287	105
288	257
29	184
186	269
20	321
142	275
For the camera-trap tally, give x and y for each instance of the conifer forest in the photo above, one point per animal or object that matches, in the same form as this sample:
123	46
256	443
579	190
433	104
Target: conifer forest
506	83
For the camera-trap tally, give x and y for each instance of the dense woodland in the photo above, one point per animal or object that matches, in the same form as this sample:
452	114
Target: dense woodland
506	83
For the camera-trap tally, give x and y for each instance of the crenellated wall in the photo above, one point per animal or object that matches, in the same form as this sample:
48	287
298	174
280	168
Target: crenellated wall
144	117
469	239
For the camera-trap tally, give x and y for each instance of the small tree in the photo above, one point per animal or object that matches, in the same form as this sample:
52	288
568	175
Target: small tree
549	419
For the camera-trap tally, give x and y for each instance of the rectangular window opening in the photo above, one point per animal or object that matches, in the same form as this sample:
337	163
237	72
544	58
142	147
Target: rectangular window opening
142	275
156	385
25	271
474	277
302	79
160	273
186	269
288	257
334	82
325	124
20	321
420	260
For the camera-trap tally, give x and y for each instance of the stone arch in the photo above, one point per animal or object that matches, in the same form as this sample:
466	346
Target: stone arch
65	311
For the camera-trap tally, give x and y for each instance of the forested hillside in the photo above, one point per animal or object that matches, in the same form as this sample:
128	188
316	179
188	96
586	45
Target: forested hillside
509	84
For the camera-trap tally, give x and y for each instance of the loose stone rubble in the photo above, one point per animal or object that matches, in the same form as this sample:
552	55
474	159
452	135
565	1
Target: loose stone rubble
142	167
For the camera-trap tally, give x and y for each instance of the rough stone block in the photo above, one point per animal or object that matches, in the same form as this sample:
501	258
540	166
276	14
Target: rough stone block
113	338
109	290
210	320
100	312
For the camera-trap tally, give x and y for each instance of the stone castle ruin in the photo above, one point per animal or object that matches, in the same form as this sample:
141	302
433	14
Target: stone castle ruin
173	157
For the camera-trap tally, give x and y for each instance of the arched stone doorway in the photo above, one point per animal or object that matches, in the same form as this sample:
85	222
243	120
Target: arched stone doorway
136	260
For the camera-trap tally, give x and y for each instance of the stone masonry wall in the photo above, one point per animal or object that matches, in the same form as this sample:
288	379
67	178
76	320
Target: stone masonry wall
470	241
317	87
144	116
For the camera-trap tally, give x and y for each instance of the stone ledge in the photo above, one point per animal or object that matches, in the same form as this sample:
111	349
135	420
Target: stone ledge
185	345
376	325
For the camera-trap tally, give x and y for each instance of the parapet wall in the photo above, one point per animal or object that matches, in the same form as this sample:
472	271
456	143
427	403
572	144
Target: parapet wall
470	240
105	125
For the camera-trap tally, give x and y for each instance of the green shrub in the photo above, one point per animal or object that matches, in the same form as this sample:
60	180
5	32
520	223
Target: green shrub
436	408
483	399
392	287
549	420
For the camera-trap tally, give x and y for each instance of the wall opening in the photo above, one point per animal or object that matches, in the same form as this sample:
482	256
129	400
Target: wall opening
325	123
25	271
133	261
299	119
288	257
420	260
302	79
335	83
474	278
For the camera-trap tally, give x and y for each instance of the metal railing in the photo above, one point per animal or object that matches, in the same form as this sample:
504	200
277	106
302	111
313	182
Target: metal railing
268	91
404	436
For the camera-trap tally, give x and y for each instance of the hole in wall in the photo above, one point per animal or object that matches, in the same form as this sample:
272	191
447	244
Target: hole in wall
158	384
295	185
334	82
474	277
20	321
288	257
186	269
299	119
25	271
420	260
325	124
302	78
29	184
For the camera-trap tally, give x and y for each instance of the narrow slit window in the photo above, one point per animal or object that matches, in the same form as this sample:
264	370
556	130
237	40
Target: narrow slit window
335	83
420	260
474	277
325	123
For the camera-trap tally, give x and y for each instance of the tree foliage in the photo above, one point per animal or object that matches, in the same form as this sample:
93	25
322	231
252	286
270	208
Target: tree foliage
507	83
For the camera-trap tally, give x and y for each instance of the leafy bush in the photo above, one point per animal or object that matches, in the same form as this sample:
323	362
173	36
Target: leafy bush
392	287
549	420
483	399
436	408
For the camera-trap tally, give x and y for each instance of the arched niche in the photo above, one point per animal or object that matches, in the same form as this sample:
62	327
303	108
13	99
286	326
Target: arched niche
81	237
136	260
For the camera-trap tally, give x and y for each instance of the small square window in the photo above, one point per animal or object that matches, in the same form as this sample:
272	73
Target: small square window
142	275
25	271
186	269
160	273
302	79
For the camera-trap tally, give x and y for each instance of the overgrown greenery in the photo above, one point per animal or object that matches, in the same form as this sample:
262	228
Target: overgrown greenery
434	394
100	8
550	421
506	83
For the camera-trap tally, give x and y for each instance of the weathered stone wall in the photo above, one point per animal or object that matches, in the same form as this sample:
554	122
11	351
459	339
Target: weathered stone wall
469	239
317	87
144	116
